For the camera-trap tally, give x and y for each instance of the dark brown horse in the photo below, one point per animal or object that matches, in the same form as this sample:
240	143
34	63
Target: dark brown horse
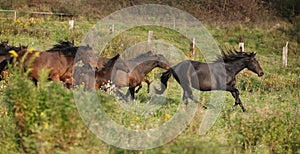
139	67
218	75
6	57
60	63
4	50
3	45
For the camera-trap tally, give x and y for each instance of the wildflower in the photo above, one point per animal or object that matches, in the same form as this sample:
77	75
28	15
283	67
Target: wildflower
282	104
137	118
30	50
13	53
167	116
37	54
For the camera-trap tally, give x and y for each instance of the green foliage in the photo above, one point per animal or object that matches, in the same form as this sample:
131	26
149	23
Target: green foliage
44	119
271	128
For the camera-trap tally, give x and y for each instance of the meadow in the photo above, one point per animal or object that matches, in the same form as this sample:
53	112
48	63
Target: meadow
44	119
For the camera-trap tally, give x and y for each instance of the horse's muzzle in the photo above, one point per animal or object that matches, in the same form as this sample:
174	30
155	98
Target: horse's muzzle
260	74
95	69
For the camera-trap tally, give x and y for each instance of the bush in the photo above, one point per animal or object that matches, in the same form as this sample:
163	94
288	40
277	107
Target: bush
42	118
272	128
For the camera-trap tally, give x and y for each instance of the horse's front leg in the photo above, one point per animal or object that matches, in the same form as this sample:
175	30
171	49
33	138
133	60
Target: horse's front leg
139	88
148	84
131	90
235	93
69	82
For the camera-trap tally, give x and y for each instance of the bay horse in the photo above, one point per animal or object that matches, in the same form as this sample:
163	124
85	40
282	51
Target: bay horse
60	63
139	68
209	76
102	76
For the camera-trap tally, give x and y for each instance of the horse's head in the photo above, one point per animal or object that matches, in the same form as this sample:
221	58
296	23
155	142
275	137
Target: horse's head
162	62
4	45
117	63
253	65
88	57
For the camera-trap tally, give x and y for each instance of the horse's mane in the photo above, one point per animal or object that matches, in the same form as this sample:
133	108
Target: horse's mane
67	48
61	45
143	56
229	55
110	63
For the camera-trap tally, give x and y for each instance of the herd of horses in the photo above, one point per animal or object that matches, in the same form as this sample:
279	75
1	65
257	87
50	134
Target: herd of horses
75	65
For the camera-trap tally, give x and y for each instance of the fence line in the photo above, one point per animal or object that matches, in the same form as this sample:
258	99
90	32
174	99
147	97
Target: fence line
42	13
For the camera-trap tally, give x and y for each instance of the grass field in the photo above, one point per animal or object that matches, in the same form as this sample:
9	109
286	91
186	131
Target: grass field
44	119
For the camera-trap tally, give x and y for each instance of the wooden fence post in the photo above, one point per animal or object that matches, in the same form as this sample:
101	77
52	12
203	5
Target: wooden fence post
192	46
150	36
285	54
111	29
241	43
174	23
71	24
15	15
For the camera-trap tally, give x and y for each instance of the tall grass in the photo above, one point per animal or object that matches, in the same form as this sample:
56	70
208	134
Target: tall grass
44	119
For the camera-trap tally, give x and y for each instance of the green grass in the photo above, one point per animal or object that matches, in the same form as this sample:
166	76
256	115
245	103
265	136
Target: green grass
44	119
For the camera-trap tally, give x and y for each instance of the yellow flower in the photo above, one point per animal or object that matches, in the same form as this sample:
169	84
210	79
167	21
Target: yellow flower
167	116
13	53
282	104
30	50
137	118
37	54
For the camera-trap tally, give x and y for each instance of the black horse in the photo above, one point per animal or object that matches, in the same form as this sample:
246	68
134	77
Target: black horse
209	76
5	56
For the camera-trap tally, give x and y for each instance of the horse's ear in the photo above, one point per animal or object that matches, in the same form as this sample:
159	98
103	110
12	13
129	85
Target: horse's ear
253	54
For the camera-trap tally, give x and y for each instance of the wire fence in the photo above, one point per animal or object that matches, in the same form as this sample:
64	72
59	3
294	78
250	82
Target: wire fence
16	13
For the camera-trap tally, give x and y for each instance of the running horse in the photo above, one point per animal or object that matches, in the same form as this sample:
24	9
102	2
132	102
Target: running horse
102	76
139	68
60	63
6	57
209	76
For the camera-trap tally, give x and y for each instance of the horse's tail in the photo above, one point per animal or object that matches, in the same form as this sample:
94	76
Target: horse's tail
164	79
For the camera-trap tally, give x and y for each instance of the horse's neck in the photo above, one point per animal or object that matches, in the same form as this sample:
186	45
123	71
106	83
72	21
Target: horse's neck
235	67
109	69
148	66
